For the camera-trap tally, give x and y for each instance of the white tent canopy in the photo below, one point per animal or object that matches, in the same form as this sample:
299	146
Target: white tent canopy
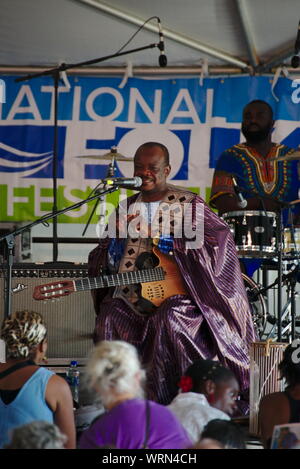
237	35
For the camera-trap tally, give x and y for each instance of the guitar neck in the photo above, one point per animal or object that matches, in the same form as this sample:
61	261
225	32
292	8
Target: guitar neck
125	278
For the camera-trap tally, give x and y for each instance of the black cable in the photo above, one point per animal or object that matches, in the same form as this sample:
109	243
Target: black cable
138	30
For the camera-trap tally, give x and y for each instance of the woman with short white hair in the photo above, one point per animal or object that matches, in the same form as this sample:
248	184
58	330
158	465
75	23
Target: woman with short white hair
37	435
130	421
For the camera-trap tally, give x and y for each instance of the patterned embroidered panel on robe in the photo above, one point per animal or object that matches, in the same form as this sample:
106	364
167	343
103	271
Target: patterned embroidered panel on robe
162	225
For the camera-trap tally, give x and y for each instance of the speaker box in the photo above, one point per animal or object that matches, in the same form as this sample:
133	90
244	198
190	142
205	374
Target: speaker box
70	320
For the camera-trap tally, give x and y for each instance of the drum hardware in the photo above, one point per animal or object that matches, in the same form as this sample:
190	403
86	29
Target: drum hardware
257	305
286	324
285	278
272	320
293	156
265	243
288	319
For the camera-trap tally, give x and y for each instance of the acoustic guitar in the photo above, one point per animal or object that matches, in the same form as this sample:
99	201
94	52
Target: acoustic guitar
157	283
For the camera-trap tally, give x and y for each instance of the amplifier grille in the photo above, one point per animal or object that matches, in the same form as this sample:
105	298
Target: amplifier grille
70	320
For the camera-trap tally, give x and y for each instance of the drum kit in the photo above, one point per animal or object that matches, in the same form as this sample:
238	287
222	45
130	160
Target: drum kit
256	236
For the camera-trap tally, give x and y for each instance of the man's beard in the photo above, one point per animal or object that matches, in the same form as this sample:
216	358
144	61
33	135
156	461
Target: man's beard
256	136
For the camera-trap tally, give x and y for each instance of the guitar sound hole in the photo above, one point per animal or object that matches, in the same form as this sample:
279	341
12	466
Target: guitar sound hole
155	291
146	260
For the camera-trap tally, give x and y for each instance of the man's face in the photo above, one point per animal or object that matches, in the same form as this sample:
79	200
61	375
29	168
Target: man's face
257	122
149	164
225	396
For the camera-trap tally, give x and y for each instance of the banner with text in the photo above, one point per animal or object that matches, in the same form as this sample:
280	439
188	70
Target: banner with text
195	119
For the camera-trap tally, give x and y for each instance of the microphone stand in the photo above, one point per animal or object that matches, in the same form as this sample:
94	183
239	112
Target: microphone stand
10	240
293	281
279	238
110	173
55	73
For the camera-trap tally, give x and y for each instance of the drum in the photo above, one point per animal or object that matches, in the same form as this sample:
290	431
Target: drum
291	243
254	232
264	376
258	305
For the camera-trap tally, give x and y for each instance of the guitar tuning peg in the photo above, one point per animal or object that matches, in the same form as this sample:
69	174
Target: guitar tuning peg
155	240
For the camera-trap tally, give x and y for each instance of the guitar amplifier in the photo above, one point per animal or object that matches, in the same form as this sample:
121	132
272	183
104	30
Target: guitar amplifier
70	320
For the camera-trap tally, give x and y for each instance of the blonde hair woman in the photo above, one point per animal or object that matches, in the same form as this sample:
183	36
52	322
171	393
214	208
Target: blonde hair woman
37	435
29	392
130	421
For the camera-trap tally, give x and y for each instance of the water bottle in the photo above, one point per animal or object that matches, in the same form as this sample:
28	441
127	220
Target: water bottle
73	380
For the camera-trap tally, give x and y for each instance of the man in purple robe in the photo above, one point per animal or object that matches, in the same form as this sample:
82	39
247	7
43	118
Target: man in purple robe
209	317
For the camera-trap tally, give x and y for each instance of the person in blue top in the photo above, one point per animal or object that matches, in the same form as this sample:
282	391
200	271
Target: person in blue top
29	392
264	178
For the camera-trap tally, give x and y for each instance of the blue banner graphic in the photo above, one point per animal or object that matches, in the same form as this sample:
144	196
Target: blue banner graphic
196	122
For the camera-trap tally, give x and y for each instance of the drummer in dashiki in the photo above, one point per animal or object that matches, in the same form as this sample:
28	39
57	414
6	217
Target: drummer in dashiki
266	174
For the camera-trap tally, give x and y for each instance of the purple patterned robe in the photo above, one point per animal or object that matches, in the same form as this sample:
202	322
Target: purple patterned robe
213	321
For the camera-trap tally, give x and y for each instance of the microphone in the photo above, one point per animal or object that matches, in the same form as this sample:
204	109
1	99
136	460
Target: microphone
162	60
123	182
242	202
295	59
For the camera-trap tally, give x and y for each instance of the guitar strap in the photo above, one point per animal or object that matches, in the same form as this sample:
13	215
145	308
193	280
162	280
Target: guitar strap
134	247
147	426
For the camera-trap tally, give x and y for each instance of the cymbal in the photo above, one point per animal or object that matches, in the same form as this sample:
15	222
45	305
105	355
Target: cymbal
107	156
292	156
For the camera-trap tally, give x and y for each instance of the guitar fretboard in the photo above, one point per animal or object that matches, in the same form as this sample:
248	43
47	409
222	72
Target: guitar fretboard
125	278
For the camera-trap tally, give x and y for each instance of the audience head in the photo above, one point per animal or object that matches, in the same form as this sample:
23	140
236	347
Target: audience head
114	370
208	443
216	382
229	434
87	394
37	435
289	367
24	334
